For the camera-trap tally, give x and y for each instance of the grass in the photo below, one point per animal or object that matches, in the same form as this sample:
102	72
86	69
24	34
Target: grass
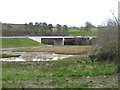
83	85
74	50
82	32
55	74
8	55
19	42
113	87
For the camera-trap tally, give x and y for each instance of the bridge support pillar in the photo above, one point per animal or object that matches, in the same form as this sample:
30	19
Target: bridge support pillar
59	41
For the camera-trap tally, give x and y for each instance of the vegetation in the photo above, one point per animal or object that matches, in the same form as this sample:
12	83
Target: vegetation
19	42
8	55
76	31
65	73
82	32
88	26
53	74
59	49
41	29
107	42
47	29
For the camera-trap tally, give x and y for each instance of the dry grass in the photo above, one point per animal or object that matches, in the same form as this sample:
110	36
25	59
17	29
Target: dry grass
58	49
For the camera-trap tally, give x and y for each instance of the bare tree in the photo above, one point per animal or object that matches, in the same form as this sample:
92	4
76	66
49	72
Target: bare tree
107	42
88	26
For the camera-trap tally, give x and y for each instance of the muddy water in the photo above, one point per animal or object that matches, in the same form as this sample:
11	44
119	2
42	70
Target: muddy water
34	56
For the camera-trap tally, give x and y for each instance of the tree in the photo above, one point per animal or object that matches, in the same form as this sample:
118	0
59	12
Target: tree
30	23
107	42
59	28
47	29
36	23
65	29
88	26
50	26
44	24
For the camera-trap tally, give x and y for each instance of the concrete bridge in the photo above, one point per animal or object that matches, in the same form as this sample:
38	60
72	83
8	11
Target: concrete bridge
58	40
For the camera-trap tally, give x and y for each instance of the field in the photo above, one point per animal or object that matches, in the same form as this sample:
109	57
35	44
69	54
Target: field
80	31
19	42
66	73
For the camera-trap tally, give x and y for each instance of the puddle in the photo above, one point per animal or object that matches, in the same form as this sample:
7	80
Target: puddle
34	56
21	59
11	59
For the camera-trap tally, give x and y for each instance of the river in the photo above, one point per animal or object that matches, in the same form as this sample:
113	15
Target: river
34	56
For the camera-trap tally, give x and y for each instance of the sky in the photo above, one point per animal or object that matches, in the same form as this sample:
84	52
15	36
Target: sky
64	12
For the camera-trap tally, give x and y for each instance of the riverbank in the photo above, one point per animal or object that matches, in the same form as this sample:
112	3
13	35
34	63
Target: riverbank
76	70
66	73
46	53
18	42
69	50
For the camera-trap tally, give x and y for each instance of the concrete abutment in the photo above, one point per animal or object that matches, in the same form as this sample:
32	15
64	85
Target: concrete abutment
59	41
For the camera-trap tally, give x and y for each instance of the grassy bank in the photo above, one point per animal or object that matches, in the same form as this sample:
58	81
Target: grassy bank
66	73
8	55
74	50
19	42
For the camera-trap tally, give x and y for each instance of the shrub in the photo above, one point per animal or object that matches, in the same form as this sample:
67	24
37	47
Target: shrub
107	42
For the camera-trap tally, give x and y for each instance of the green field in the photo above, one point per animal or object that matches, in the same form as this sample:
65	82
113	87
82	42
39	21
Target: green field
82	32
19	42
56	74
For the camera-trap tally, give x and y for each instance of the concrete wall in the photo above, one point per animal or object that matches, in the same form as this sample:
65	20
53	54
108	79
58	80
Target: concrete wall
35	39
59	42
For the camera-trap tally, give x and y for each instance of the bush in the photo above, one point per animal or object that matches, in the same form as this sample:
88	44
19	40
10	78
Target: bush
107	42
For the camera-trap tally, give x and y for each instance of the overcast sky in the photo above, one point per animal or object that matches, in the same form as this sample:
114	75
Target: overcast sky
64	12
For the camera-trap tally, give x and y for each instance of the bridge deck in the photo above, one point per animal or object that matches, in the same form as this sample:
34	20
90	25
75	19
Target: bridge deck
49	37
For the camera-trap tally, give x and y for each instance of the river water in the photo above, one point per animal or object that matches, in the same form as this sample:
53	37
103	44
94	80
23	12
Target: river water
34	56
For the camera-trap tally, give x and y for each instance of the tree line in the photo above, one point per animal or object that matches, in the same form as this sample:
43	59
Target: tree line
33	29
